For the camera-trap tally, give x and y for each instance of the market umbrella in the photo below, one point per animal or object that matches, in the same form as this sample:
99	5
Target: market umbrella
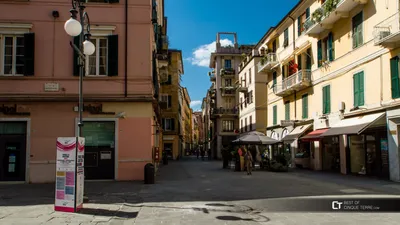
255	137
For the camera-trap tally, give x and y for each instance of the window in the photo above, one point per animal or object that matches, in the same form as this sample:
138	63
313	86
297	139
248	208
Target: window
168	99
245	124
357	22
287	110
228	82
326	99
17	54
241	125
275	114
358	85
326	49
250	97
241	103
251	123
274	79
286	38
394	73
104	62
228	64
274	46
304	104
169	124
301	20
227	125
229	103
250	76
98	61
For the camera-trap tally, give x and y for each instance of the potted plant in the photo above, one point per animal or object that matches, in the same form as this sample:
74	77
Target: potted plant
262	51
262	61
329	6
317	15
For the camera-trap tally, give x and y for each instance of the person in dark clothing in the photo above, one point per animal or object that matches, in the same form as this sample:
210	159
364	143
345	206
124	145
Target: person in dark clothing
197	153
202	154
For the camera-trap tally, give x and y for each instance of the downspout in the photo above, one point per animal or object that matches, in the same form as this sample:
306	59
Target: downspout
381	80
126	49
294	48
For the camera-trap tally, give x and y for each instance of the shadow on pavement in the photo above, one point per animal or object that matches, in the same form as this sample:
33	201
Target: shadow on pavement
109	213
263	219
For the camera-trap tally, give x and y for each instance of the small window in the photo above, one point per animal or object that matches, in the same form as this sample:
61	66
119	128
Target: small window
357	22
286	38
227	125
98	61
13	55
168	99
228	64
250	76
169	124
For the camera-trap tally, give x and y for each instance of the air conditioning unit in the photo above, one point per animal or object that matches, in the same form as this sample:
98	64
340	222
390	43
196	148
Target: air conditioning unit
341	106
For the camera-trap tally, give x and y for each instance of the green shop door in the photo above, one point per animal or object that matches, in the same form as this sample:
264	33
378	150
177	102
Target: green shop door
12	151
99	150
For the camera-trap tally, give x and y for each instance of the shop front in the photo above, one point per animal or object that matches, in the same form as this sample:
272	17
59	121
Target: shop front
115	149
280	148
300	151
365	146
314	141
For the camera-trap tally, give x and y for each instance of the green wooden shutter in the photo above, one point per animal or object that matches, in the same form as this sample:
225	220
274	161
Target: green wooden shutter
299	62
29	54
275	114
305	106
357	21
299	26
76	57
324	100
356	83
112	55
287	110
319	53
330	47
308	59
308	12
361	88
274	79
394	72
328	99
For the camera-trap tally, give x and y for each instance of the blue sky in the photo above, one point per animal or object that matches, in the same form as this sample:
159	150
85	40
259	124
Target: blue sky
193	25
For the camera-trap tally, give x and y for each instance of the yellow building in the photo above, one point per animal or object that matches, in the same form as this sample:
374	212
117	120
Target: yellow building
333	85
169	97
186	122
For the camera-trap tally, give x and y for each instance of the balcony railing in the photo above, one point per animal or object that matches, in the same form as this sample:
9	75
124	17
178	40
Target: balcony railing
387	32
212	77
227	72
224	111
295	82
267	62
328	13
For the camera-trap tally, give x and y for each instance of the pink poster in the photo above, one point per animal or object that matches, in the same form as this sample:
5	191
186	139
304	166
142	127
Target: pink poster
69	178
60	195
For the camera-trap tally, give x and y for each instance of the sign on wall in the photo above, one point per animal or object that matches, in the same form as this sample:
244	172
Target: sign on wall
69	174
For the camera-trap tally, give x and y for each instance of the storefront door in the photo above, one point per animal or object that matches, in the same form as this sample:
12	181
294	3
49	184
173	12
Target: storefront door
99	150
12	151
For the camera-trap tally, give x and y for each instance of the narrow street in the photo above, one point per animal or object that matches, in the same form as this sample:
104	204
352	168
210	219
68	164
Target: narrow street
192	191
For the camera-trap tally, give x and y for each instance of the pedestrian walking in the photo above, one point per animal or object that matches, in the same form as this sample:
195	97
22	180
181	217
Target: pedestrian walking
248	161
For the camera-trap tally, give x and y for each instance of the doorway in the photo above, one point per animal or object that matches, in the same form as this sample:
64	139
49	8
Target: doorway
99	150
168	148
12	151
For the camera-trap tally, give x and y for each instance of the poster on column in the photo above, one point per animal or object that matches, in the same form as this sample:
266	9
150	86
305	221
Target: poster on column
69	174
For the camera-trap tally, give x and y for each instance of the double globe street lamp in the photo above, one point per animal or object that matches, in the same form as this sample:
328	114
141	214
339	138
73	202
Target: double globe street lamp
73	27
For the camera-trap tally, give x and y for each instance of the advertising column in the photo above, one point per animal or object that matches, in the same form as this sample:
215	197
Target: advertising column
69	174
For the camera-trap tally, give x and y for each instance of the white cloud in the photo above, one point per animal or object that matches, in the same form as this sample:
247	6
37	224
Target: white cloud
195	105
201	55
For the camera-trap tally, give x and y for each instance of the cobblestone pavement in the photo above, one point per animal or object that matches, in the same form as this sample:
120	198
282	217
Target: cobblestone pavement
199	192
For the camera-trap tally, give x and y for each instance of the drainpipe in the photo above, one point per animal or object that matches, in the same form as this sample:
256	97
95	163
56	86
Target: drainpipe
294	48
126	48
381	80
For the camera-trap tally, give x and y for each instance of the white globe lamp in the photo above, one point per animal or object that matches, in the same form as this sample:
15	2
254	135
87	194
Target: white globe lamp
73	27
88	48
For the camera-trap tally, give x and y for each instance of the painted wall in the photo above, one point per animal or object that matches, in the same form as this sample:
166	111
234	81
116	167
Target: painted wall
53	54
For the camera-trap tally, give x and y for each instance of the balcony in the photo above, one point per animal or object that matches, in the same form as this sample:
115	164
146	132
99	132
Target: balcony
228	91
325	16
267	62
212	77
162	60
224	112
296	82
242	89
227	72
387	32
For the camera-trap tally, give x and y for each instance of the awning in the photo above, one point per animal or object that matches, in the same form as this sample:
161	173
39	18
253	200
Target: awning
287	58
296	133
355	125
302	48
314	135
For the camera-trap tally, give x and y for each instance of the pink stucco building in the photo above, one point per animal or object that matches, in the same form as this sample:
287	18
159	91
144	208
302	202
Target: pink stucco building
39	88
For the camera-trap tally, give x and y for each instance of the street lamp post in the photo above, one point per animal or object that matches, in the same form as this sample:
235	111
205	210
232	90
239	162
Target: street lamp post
74	28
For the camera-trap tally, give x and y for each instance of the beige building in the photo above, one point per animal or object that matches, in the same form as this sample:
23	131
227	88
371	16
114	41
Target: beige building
223	96
333	85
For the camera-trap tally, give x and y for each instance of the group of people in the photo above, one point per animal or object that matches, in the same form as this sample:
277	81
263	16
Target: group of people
202	153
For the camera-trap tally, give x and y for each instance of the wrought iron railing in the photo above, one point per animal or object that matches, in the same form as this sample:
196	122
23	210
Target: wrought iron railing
297	78
267	60
387	28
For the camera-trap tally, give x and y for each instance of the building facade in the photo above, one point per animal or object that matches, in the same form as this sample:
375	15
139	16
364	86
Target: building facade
333	85
39	88
186	122
224	111
200	128
169	99
205	111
